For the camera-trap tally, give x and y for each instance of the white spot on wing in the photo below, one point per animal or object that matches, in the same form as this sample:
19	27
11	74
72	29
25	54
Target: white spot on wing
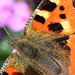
55	1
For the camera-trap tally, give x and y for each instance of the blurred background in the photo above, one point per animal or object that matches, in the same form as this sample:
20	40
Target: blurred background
14	15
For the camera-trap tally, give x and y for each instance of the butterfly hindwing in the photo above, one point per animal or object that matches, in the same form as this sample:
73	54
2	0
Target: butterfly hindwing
15	65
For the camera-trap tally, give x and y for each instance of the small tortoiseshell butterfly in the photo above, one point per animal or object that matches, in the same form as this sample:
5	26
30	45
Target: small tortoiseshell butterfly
48	44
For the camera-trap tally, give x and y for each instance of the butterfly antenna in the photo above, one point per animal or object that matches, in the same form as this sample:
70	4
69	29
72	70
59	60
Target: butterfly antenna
7	31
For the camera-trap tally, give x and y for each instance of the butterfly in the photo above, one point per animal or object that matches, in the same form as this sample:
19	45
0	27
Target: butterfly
45	48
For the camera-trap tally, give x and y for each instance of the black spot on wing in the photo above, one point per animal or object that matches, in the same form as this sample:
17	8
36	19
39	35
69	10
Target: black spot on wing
62	16
5	73
48	5
39	19
61	8
55	27
63	42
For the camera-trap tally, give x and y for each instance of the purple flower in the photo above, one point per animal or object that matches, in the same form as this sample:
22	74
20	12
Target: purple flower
14	51
5	12
19	17
6	3
14	14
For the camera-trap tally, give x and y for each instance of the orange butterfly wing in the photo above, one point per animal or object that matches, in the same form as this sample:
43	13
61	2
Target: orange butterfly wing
63	13
60	19
11	71
71	44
